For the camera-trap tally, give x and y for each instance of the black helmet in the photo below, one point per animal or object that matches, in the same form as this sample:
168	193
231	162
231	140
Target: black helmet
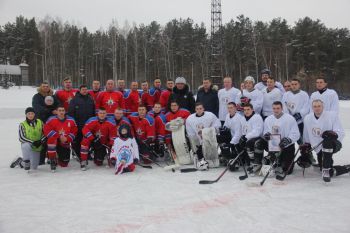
127	127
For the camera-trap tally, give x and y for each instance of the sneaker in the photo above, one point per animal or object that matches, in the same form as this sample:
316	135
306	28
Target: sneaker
83	165
325	175
16	162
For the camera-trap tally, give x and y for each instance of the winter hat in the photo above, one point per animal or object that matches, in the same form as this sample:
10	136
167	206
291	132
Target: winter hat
49	100
249	78
29	109
180	80
127	127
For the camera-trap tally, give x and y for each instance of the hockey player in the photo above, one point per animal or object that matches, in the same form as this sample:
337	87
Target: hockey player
119	119
31	138
271	94
110	99
60	131
296	103
146	98
156	90
208	96
182	94
125	152
99	133
265	74
284	127
164	96
321	126
252	129
226	95
132	99
249	95
287	86
96	89
195	124
121	86
65	95
233	122
328	96
144	131
159	125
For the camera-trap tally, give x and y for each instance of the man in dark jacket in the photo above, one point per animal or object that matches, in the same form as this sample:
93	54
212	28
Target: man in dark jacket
38	102
182	95
81	108
208	96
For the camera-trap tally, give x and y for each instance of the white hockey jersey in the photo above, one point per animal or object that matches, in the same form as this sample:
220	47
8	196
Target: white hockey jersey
195	124
286	126
253	127
261	86
269	98
226	96
126	150
329	98
296	103
313	127
235	125
256	99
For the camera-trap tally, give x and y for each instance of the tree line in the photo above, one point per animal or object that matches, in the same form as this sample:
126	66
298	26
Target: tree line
181	47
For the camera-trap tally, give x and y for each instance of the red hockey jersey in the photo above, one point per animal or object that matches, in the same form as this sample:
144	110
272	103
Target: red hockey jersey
155	93
104	129
64	97
123	121
132	99
147	100
94	94
54	128
143	127
159	125
110	100
164	98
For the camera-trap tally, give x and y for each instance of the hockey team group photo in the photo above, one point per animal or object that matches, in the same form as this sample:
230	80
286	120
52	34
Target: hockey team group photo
235	124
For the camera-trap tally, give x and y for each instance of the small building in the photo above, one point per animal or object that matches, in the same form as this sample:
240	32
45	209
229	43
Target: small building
18	74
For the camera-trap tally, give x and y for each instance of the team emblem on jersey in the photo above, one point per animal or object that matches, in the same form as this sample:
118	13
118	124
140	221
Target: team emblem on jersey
124	154
225	100
291	106
316	131
245	129
98	134
200	126
69	124
69	99
110	102
275	129
139	131
61	132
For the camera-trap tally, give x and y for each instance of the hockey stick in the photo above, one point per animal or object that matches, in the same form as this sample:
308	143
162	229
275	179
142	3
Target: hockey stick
144	166
232	161
245	176
268	172
152	161
281	178
190	169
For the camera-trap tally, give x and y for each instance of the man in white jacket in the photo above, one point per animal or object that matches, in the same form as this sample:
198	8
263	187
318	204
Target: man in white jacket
271	94
226	95
249	95
324	132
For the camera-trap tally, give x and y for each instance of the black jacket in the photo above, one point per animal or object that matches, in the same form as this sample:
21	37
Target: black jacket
81	108
209	99
42	112
184	97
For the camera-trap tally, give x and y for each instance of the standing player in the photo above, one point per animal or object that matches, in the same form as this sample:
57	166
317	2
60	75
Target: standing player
60	131
146	98
164	96
95	89
132	99
250	95
121	86
321	126
110	99
328	96
99	132
159	124
226	95
265	74
156	90
65	95
271	94
296	103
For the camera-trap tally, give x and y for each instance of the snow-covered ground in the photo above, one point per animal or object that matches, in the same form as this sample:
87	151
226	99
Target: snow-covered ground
97	201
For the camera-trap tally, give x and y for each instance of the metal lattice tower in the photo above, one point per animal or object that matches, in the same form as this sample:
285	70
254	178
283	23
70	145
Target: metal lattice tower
216	56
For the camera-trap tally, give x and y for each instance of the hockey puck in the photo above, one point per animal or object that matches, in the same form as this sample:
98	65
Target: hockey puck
173	170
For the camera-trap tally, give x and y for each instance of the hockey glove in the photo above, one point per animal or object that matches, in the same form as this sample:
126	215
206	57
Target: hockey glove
96	143
36	143
242	141
305	148
285	142
136	161
244	100
267	136
329	134
297	117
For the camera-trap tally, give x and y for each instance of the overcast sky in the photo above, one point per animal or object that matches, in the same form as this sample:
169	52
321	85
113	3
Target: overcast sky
95	14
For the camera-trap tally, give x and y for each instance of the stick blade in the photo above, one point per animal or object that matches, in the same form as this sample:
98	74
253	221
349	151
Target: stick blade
243	177
185	170
206	182
278	177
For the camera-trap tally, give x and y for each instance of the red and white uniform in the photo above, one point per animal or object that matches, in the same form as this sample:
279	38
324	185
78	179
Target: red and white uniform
143	127
94	94
132	99
182	112
123	121
159	124
124	150
164	98
155	93
110	100
64	97
147	100
96	128
54	128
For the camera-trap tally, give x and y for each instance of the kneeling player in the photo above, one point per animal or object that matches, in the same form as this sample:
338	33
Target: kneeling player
323	131
125	152
99	133
60	131
285	128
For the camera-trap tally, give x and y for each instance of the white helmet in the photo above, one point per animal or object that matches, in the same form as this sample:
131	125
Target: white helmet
249	78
